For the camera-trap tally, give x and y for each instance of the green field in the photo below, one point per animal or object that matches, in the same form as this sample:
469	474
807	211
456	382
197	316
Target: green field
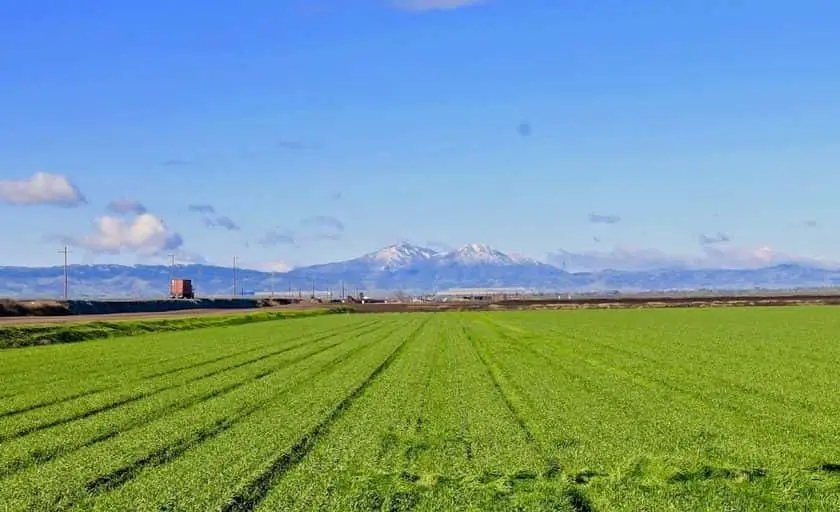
712	409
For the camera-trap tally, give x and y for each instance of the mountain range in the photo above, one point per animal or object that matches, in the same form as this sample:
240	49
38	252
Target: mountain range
402	267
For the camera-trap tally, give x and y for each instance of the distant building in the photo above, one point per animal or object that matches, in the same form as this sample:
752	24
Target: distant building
480	293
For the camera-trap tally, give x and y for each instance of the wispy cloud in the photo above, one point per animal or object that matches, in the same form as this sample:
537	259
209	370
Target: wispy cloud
125	206
323	221
206	209
174	162
718	238
428	5
41	189
596	218
207	212
223	222
709	257
293	144
274	237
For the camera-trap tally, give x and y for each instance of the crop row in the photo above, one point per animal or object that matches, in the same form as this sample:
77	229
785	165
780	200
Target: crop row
578	411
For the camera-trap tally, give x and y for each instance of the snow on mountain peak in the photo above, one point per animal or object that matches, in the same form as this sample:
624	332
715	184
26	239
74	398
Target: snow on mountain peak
399	255
479	253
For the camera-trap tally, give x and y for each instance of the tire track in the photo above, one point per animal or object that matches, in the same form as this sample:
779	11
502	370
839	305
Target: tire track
691	396
42	457
464	435
338	330
134	398
82	394
424	398
552	464
166	454
577	497
255	492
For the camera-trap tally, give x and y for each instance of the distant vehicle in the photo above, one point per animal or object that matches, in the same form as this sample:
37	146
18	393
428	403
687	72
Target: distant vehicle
181	289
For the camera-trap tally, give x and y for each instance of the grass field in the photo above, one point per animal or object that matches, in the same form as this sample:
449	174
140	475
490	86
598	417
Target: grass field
711	409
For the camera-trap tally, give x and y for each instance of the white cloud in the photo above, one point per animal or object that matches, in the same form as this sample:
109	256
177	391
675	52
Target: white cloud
636	258
146	234
427	5
41	188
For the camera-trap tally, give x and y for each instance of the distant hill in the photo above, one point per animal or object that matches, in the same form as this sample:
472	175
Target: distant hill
401	267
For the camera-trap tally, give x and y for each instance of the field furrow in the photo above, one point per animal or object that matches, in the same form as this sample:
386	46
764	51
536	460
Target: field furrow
135	360
46	418
271	434
672	410
20	453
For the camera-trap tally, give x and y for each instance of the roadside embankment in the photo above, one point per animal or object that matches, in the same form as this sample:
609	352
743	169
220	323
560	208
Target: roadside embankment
9	307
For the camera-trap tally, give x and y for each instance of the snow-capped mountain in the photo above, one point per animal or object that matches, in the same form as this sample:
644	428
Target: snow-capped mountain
398	267
398	256
480	254
476	254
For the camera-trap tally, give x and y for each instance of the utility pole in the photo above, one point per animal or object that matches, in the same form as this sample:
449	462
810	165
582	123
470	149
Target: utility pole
171	270
272	283
342	289
234	276
313	287
65	251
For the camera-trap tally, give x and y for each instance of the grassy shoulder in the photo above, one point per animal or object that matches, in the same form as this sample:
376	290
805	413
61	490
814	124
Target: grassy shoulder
46	334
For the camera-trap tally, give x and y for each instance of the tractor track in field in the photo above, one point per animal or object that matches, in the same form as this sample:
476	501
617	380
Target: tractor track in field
252	494
134	398
169	453
464	433
688	394
337	331
577	497
172	451
81	394
42	457
504	395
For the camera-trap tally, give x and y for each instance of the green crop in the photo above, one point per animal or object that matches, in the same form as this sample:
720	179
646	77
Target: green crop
678	409
14	336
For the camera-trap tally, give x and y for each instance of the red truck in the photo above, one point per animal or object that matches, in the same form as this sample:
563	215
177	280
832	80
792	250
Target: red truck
181	289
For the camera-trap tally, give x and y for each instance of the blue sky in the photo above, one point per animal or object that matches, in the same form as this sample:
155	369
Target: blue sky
609	132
